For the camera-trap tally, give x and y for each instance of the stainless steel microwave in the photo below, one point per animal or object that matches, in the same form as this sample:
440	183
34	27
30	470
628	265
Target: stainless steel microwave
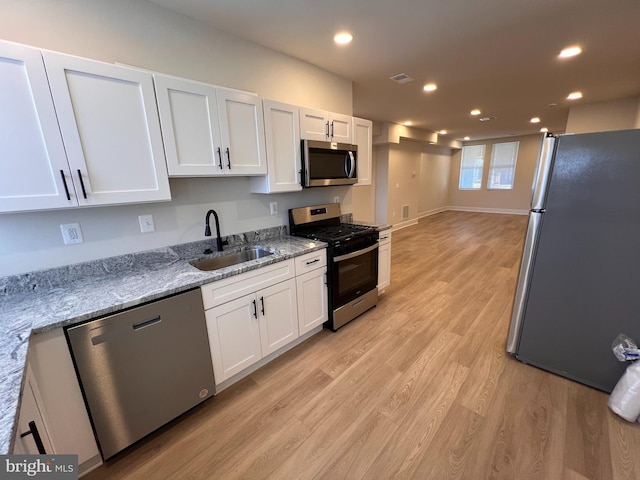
328	163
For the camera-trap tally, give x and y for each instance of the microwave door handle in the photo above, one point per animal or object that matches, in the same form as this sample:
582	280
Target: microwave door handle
349	164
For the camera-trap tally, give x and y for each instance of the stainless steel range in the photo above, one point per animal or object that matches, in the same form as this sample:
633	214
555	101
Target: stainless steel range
352	259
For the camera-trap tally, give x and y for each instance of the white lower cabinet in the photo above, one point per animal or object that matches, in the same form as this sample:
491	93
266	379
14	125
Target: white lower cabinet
311	286
278	316
52	400
32	436
254	316
384	260
234	336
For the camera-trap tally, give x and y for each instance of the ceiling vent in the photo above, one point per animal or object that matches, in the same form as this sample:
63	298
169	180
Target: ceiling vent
402	78
486	119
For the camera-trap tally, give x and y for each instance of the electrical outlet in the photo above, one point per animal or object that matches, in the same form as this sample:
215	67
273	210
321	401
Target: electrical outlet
146	223
71	233
273	208
336	199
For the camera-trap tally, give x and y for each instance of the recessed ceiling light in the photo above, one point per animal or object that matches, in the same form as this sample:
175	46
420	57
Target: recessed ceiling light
574	95
570	52
467	138
442	132
430	87
544	129
342	38
535	120
407	123
475	111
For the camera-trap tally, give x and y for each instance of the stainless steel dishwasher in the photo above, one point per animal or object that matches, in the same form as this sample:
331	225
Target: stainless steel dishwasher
143	367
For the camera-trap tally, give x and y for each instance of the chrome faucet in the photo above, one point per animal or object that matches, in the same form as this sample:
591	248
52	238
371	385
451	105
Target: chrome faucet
207	230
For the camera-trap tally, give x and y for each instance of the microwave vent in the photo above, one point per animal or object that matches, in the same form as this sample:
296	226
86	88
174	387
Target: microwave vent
402	78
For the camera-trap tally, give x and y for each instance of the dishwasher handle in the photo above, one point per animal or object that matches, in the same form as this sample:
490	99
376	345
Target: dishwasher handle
147	323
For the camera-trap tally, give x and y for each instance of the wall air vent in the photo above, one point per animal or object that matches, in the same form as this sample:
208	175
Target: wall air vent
405	212
486	119
402	78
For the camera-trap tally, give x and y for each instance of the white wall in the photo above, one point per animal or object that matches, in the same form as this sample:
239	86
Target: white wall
145	35
620	114
435	166
516	200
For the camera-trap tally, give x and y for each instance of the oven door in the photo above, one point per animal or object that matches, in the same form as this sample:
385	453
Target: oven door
353	275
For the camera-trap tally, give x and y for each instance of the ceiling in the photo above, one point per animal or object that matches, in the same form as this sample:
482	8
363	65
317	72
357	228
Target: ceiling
500	56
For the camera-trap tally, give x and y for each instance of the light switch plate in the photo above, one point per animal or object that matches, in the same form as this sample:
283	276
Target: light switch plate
273	208
146	223
71	233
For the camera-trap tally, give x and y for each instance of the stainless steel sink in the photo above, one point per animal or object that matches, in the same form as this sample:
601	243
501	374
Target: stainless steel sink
230	259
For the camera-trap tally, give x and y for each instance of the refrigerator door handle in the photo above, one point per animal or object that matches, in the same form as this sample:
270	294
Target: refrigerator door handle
543	170
524	279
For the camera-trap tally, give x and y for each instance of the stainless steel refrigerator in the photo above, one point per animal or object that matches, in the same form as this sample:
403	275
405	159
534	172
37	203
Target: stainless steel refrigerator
579	281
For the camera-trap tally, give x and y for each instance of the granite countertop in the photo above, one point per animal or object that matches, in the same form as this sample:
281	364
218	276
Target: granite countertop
40	301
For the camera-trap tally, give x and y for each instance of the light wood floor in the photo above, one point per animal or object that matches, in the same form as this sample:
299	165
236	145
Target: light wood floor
419	387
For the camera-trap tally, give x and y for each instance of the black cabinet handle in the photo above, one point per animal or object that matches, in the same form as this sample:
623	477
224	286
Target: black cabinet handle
331	129
228	159
220	157
262	305
84	192
313	261
327	125
33	430
255	309
64	182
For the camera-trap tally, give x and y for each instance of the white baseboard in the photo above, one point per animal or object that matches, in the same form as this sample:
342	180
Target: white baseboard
506	211
432	212
406	223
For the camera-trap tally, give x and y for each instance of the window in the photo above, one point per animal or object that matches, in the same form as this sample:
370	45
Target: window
471	167
502	168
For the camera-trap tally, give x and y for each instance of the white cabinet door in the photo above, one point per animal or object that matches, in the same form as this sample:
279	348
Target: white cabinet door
60	403
325	126
190	126
362	137
30	422
278	316
340	128
314	124
33	163
312	300
109	123
282	135
242	132
234	336
384	260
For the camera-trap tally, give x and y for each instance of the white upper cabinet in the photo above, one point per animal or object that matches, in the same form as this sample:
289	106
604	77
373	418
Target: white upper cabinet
190	126
282	132
33	164
362	137
210	131
109	123
242	132
325	126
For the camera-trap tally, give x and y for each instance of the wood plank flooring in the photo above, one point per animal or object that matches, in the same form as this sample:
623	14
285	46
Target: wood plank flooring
418	387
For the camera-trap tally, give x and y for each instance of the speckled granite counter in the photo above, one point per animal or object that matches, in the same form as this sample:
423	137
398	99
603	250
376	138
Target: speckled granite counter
45	300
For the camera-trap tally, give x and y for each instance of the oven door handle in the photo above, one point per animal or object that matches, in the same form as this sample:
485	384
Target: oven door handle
356	253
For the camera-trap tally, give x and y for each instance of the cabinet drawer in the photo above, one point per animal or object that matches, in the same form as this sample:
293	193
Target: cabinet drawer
310	261
384	237
228	289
